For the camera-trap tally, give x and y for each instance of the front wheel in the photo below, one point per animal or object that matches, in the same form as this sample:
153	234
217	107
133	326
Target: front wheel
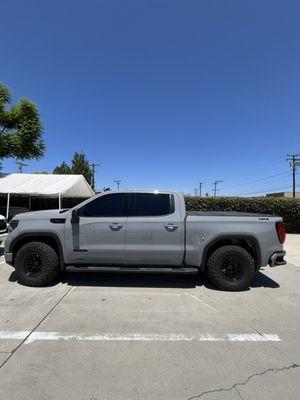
231	268
36	264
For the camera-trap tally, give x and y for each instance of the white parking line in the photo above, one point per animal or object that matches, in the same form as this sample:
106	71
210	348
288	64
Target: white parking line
14	334
115	337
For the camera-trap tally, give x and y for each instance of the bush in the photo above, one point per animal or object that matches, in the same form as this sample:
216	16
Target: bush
288	209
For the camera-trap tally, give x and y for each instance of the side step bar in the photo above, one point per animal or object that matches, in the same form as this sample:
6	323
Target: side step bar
82	268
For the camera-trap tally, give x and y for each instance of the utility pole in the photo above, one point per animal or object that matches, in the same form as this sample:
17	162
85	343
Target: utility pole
215	190
20	165
117	182
196	191
93	167
294	161
200	188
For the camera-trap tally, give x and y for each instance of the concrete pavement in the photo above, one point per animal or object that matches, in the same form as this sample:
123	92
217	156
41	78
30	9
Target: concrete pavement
133	336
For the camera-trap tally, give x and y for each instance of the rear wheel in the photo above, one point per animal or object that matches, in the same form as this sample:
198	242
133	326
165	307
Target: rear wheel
231	268
36	264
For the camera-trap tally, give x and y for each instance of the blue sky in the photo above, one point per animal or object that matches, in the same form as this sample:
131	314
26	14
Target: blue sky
161	93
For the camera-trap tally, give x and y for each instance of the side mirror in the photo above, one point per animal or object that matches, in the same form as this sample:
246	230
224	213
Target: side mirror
75	216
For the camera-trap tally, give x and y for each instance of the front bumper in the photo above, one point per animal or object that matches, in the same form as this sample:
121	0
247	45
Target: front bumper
8	258
277	259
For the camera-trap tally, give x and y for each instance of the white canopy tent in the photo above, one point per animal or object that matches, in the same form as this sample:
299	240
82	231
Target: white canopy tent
45	185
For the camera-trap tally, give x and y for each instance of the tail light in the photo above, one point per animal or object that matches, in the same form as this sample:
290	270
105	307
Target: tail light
280	232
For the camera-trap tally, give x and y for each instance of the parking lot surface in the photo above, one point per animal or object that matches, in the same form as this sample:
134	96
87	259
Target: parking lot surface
140	336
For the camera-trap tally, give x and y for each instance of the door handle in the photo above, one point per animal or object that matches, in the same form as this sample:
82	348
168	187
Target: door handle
171	227
115	226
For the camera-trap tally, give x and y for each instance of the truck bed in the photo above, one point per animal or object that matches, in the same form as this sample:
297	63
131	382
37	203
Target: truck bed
226	214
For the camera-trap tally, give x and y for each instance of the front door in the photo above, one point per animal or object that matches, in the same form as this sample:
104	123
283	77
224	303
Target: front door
154	233
99	236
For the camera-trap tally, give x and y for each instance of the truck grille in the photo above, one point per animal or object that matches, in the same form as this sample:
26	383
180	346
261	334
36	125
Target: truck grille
2	225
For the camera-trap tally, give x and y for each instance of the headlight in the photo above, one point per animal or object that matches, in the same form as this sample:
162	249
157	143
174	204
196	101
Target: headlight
12	225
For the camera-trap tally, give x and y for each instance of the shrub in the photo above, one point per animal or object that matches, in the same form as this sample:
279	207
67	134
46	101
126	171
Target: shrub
288	209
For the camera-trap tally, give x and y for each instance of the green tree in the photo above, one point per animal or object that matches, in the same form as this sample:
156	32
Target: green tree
20	128
62	169
80	166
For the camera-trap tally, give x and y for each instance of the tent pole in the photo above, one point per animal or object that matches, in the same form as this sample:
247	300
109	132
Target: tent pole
7	205
59	201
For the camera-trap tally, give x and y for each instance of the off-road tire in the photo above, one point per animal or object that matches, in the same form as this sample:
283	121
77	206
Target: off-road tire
48	264
217	269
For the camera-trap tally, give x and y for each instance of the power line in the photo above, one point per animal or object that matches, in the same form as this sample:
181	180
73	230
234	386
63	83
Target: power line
258	180
294	161
277	189
274	180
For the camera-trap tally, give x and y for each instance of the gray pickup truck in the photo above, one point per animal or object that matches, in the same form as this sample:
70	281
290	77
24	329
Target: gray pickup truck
143	230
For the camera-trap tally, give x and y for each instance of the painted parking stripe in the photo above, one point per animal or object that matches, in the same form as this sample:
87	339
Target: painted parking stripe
114	337
14	334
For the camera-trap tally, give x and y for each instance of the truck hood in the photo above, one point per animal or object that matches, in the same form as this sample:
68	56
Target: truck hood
41	214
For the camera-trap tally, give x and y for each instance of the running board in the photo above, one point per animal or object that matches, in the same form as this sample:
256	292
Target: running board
82	268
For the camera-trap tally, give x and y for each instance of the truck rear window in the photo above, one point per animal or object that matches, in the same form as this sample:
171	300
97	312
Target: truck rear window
151	204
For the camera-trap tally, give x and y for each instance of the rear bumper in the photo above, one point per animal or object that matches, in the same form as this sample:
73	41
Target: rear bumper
277	259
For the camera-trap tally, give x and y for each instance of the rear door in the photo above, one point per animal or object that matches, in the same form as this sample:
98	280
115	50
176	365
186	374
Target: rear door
154	233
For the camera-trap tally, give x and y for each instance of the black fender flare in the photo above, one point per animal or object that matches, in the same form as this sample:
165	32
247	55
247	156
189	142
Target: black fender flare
39	235
231	237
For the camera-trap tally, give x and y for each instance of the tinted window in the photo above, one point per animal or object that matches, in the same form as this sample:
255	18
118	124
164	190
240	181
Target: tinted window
110	205
151	204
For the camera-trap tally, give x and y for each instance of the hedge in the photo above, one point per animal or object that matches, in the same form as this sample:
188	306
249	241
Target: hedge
288	209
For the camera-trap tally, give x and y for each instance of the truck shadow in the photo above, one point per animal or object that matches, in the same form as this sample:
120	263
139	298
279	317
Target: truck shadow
131	279
153	280
262	280
146	280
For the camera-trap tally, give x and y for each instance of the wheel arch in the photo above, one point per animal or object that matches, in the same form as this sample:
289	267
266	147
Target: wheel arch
248	242
49	238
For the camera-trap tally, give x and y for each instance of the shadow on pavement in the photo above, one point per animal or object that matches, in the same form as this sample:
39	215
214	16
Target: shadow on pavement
131	279
155	280
146	280
262	280
1	251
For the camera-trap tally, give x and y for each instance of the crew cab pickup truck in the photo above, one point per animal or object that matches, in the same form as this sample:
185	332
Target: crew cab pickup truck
143	230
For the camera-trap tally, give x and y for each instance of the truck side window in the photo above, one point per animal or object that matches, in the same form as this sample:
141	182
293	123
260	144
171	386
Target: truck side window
109	205
151	204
